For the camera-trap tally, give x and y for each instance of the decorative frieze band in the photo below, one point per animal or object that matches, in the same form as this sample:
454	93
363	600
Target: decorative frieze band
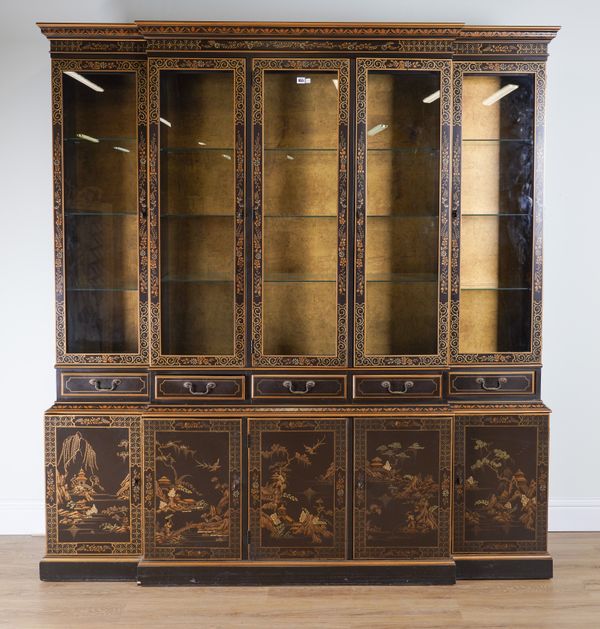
423	39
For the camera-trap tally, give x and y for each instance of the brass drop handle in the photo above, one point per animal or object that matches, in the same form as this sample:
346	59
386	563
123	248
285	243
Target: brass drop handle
289	385
190	387
98	384
407	386
481	381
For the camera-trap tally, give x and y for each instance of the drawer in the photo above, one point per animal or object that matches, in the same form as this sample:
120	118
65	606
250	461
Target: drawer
394	386
492	383
203	387
103	384
297	387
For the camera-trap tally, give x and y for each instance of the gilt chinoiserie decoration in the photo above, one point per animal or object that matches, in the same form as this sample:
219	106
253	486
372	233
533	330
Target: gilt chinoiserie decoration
192	488
93	485
402	494
502	483
298	277
297	495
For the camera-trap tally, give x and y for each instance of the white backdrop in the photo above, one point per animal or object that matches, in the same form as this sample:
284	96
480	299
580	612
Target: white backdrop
572	223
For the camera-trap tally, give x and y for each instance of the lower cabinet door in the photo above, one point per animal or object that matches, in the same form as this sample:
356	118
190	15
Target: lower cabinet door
297	488
93	485
402	485
192	493
501	492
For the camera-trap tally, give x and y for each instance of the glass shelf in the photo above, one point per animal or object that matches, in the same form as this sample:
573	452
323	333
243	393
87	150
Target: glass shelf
92	213
403	278
494	288
180	215
196	280
195	149
100	138
101	290
500	140
496	214
291	149
287	278
403	216
300	216
405	149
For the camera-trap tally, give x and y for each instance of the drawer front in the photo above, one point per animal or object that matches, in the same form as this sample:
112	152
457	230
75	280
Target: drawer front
103	384
298	387
396	387
492	383
200	388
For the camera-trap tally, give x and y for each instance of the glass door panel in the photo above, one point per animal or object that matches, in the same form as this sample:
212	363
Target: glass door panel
100	162
496	213
302	207
201	214
398	211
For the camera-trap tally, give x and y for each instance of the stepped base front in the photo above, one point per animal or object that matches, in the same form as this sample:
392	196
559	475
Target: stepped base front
442	572
504	566
89	568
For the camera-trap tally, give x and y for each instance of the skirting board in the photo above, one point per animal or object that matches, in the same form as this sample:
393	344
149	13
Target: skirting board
26	516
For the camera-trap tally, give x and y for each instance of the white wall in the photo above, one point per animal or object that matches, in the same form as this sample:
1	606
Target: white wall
572	223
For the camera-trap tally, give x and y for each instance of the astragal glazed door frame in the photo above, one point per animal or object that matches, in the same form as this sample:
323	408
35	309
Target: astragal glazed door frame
443	67
538	71
259	66
238	68
137	67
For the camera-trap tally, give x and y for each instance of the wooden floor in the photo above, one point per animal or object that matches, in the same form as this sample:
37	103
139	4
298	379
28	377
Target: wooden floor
571	599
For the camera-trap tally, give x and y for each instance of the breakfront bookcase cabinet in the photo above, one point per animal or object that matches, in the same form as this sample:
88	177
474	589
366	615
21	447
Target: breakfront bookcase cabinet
298	303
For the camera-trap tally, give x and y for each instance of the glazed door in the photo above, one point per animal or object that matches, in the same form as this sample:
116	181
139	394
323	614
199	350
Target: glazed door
402	471
497	222
192	488
197	153
300	198
297	487
99	138
501	493
93	485
402	211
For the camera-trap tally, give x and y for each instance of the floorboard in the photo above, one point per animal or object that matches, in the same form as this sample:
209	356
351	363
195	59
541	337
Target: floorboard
571	599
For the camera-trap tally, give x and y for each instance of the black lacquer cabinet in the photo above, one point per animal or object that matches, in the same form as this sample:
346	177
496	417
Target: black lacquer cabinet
298	303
